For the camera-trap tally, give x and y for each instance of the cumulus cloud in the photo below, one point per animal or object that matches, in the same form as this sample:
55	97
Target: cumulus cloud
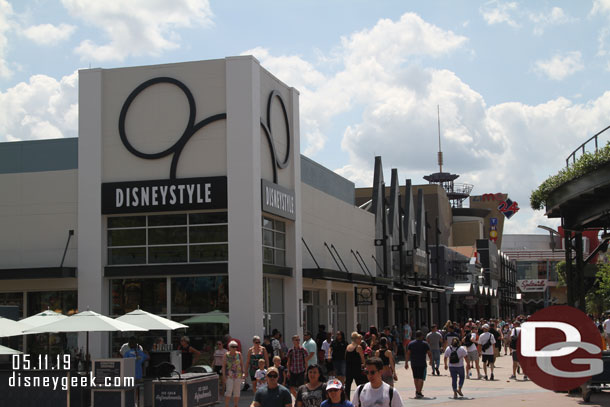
560	66
600	7
6	13
391	101
136	27
369	62
545	19
497	12
41	108
49	34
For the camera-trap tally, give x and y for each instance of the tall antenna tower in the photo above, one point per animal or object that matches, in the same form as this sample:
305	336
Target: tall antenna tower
456	193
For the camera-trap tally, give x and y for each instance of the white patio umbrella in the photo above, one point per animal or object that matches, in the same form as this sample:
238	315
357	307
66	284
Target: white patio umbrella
86	321
8	351
8	327
144	319
43	318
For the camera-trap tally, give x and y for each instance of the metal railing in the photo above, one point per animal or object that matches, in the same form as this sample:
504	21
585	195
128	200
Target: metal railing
582	147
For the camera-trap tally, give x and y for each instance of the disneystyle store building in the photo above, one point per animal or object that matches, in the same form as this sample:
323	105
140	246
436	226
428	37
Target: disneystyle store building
185	194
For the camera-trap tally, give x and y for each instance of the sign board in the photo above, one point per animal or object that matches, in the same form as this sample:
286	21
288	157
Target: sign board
529	286
113	368
508	208
363	296
164	195
277	200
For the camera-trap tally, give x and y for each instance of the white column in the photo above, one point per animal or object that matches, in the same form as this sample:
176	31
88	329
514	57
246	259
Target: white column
293	287
244	198
93	292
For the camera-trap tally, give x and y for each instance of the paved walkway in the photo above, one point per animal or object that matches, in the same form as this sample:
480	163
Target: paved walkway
500	392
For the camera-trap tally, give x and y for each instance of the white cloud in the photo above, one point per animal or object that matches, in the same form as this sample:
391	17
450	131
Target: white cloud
49	34
136	27
391	102
545	19
600	7
369	62
560	66
6	12
497	12
42	108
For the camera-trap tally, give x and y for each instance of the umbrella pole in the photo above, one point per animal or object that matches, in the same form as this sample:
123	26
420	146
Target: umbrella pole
87	357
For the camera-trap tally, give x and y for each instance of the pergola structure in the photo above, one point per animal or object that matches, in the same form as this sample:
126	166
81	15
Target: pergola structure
582	204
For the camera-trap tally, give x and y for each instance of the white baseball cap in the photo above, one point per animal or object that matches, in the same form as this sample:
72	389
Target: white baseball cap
334	384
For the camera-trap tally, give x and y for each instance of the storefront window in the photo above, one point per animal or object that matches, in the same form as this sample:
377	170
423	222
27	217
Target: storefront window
362	317
64	302
150	294
166	239
339	301
198	295
273	305
274	242
311	302
58	301
15	299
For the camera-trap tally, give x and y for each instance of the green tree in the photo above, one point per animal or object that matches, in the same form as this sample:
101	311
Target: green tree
560	268
598	298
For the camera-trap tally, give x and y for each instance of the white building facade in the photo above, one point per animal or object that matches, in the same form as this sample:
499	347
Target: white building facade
187	197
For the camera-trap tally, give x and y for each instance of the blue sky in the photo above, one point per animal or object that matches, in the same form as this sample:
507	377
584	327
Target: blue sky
520	84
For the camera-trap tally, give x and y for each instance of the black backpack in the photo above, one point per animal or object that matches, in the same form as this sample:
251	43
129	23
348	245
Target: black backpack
487	344
359	390
513	339
468	340
453	357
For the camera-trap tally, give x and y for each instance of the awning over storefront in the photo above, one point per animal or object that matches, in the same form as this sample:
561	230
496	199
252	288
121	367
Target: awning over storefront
432	287
407	291
40	272
336	275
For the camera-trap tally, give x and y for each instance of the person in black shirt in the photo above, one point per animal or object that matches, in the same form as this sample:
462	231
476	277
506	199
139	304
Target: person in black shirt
337	355
417	351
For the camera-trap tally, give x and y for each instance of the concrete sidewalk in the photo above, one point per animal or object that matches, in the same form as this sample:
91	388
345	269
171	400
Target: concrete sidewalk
500	392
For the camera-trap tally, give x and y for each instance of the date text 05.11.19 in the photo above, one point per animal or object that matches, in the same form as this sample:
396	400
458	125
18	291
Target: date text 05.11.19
41	362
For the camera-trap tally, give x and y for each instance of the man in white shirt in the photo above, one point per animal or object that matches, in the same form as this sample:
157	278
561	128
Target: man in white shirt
327	358
607	330
514	337
311	347
376	393
486	348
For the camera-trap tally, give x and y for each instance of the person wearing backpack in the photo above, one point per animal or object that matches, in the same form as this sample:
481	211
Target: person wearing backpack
470	344
376	393
486	344
456	354
514	337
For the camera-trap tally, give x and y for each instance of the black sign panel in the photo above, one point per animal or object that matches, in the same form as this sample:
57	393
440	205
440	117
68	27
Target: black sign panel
277	200
168	394
202	393
363	296
164	195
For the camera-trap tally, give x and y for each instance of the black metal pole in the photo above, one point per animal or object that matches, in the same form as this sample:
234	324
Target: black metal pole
568	257
579	273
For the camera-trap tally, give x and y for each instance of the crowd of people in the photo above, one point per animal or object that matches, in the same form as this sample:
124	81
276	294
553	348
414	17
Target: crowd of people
320	371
